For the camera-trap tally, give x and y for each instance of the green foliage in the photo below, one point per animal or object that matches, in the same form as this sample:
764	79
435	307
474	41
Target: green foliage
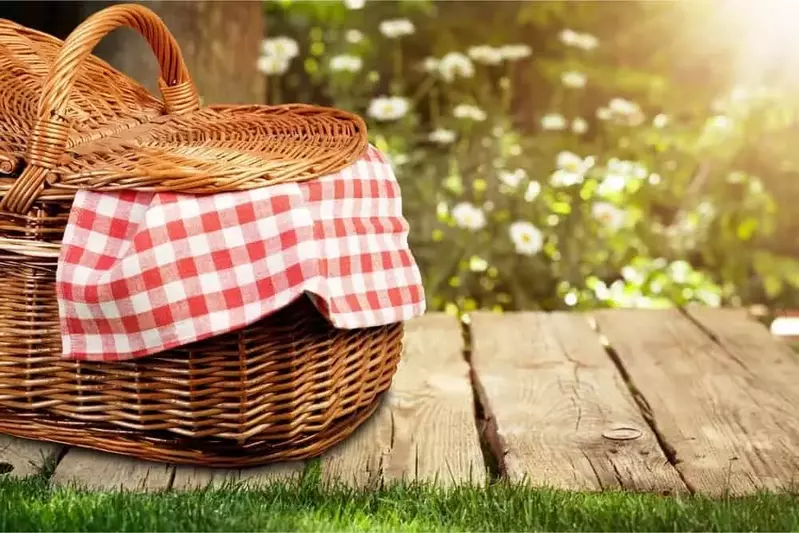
615	166
32	505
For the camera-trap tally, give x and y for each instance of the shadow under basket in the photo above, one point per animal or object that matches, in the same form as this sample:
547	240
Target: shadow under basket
285	388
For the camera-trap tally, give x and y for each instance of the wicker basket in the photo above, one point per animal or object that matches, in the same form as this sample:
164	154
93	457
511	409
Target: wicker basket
287	387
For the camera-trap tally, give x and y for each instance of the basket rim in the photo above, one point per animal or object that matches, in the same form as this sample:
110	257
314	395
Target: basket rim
139	146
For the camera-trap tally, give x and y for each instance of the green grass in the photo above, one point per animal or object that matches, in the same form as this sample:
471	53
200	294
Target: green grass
31	505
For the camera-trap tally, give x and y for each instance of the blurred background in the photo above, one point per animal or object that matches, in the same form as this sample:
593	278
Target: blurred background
551	154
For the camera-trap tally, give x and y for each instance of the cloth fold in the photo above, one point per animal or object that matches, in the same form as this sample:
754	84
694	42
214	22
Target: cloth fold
143	272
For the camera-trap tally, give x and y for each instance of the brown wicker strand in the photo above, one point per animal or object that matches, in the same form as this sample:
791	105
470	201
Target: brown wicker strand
8	163
179	98
25	190
286	387
85	37
49	136
119	137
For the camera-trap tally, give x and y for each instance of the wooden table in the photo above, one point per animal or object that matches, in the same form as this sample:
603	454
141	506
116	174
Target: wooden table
669	401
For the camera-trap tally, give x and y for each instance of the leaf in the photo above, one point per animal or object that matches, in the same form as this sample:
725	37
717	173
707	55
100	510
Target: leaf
747	228
772	286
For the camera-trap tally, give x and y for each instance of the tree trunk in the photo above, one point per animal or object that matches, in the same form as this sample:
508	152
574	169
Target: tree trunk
220	42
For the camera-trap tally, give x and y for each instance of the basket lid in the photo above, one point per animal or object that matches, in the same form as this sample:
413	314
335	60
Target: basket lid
70	121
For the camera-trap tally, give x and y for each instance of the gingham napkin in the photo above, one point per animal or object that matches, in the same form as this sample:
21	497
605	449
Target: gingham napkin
143	272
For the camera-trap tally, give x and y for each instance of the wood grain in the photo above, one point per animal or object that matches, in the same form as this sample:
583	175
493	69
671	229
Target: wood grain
199	477
104	471
425	431
21	458
559	405
747	341
358	461
728	415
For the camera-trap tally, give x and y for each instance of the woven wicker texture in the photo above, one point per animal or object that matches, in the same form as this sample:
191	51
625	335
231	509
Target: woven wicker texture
78	123
287	387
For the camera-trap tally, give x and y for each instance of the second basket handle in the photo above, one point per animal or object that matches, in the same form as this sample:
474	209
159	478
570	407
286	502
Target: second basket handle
48	138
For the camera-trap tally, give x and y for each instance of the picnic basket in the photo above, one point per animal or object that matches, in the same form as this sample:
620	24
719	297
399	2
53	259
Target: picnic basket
288	386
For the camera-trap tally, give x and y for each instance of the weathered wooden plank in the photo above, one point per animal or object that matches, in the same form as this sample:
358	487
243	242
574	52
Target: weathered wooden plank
358	461
432	408
563	413
199	477
104	471
425	431
747	340
265	475
729	418
23	457
739	313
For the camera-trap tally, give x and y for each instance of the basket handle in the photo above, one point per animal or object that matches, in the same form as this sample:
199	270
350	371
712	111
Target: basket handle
48	138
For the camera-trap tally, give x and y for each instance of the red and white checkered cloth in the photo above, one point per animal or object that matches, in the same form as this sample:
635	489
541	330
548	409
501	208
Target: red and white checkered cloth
143	272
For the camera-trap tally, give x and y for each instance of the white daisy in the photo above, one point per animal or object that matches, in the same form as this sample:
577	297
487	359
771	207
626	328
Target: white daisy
629	169
571	169
455	64
488	55
604	113
527	239
583	41
346	63
514	52
612	183
571	162
532	192
564	178
579	126
468	216
442	136
280	47
512	179
553	121
388	108
626	111
430	64
622	106
569	37
396	28
573	79
353	36
470	112
586	41
271	65
608	214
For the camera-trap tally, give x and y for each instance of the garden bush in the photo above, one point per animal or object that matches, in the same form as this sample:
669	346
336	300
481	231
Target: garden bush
562	154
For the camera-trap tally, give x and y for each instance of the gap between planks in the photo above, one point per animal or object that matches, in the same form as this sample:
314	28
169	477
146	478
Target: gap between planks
564	416
724	447
724	403
425	430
